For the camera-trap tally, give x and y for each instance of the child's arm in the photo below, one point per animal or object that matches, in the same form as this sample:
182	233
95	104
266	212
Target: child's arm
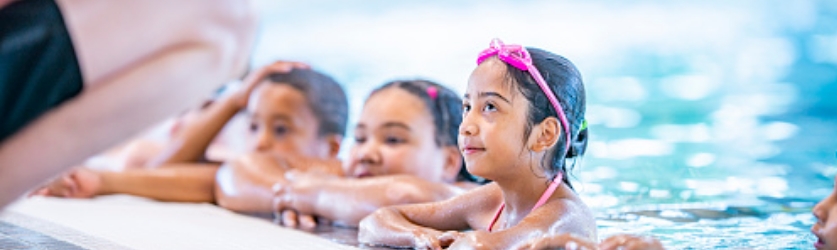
347	201
190	145
423	225
182	183
246	184
564	216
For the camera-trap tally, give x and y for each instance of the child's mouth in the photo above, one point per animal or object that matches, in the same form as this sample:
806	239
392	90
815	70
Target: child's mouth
363	175
471	150
820	244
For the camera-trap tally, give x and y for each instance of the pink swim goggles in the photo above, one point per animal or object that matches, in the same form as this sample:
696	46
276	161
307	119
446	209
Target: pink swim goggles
518	57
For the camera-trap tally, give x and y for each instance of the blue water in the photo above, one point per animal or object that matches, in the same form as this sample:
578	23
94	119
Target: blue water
712	122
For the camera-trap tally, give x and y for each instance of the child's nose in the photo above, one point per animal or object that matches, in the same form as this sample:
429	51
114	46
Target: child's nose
467	127
263	141
820	211
468	130
369	154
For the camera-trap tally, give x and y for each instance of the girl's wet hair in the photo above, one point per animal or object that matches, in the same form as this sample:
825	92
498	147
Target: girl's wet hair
565	81
324	95
446	107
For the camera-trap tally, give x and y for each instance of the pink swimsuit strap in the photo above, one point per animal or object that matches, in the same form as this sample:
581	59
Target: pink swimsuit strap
544	197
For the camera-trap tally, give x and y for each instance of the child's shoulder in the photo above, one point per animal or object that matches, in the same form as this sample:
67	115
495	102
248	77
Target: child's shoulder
575	216
485	197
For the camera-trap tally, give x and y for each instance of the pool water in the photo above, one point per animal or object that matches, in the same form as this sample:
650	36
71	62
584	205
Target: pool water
712	122
719	226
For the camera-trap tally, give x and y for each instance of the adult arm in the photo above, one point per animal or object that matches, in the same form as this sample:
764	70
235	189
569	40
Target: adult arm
130	81
5	2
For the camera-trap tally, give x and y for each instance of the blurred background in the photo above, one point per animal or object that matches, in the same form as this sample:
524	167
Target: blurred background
712	122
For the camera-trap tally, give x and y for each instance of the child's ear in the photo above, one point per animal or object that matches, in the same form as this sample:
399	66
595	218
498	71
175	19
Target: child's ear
453	163
333	142
547	134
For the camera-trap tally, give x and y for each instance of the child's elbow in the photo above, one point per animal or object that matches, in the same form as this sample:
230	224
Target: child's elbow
225	200
224	191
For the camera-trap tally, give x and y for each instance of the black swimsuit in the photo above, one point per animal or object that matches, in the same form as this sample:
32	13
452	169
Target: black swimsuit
38	66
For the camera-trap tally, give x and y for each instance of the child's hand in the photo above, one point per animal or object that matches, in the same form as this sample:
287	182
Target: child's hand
292	219
294	201
298	192
257	76
561	241
473	240
432	239
627	242
78	183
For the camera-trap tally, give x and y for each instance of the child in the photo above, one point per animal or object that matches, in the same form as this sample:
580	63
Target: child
292	110
522	118
309	124
826	227
405	152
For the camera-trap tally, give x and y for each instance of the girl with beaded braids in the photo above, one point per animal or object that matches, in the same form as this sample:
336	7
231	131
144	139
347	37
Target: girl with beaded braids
405	152
523	116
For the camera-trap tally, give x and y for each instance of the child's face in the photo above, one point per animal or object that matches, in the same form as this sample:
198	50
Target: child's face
282	122
826	227
494	122
395	135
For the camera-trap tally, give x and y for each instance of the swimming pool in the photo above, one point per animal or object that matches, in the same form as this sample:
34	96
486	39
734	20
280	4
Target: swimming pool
712	123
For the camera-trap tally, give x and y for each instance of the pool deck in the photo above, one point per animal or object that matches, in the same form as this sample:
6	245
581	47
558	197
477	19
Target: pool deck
127	222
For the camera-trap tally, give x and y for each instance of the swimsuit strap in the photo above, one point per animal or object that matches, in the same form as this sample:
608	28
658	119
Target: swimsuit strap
546	194
496	216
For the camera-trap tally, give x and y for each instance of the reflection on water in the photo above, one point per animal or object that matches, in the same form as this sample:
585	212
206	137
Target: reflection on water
759	224
712	122
778	231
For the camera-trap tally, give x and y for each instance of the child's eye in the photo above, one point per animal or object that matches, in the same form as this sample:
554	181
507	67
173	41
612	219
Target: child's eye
280	130
466	107
489	107
360	139
393	140
254	127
